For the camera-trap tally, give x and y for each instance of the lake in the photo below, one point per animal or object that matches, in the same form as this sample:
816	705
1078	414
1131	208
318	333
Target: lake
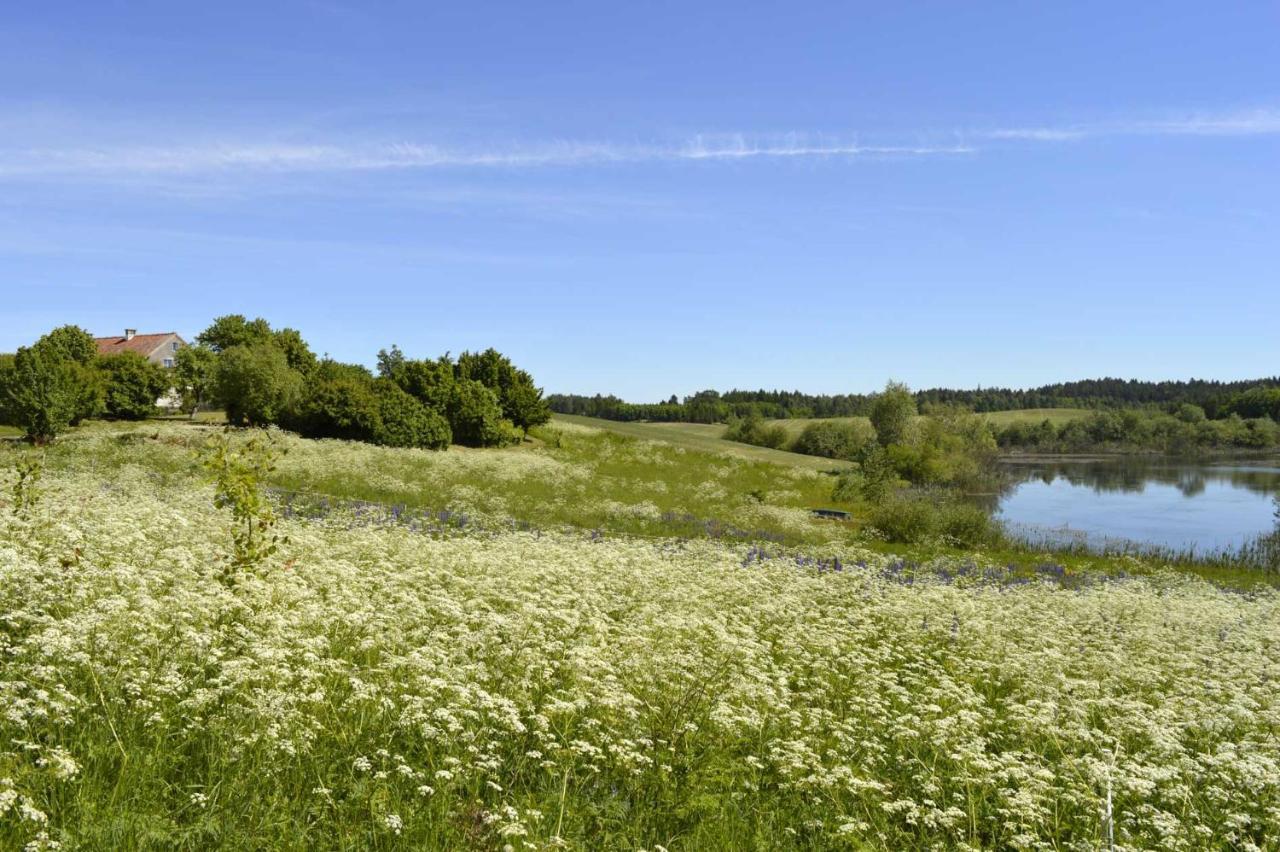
1208	506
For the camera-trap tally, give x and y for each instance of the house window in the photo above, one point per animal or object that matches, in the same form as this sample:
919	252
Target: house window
168	362
174	344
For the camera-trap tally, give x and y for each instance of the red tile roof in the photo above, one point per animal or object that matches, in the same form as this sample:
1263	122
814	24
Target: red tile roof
143	344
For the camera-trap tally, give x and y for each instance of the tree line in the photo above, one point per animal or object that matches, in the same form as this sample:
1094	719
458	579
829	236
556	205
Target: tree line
1252	398
262	376
1186	430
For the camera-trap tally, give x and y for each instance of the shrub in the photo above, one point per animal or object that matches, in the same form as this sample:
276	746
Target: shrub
833	439
239	475
133	384
336	402
475	417
966	525
905	519
407	422
255	384
752	430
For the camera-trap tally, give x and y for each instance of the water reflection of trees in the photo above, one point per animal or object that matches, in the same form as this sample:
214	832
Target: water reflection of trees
1133	474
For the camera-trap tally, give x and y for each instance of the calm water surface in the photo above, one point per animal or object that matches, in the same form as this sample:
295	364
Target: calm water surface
1208	506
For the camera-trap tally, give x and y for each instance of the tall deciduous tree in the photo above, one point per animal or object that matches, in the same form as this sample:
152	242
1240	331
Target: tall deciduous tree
891	413
193	375
255	384
42	393
234	330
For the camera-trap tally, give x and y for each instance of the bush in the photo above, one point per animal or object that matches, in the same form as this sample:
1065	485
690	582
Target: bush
336	405
255	384
834	439
915	518
905	519
752	430
475	417
133	384
966	525
407	422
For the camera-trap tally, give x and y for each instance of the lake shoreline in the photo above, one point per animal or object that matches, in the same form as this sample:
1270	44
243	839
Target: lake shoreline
1117	455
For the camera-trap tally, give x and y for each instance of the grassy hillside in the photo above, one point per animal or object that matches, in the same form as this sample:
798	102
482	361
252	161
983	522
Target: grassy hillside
573	476
997	418
1057	416
707	436
704	437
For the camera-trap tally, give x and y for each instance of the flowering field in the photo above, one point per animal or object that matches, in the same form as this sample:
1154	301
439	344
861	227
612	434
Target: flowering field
378	685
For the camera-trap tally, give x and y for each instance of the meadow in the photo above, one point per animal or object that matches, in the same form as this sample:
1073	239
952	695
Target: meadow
709	437
541	661
705	437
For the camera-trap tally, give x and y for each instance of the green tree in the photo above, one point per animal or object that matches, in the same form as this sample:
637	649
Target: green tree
390	362
70	342
193	374
255	384
133	384
232	330
430	382
6	379
524	406
521	400
43	391
296	351
239	475
75	347
892	411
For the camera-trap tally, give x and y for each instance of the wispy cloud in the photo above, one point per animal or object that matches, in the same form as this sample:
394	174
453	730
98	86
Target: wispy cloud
1255	122
411	155
252	154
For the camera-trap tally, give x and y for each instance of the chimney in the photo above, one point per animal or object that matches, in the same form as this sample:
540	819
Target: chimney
129	333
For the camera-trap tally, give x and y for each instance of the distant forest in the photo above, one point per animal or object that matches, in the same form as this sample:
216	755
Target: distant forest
1218	399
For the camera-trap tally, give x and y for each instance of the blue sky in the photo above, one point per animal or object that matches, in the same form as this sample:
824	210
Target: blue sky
654	198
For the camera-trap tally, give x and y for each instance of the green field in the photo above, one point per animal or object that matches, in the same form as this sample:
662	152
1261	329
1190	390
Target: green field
704	437
707	436
1056	416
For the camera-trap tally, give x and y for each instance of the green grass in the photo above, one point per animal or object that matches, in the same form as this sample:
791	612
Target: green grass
569	476
708	437
704	437
1056	416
